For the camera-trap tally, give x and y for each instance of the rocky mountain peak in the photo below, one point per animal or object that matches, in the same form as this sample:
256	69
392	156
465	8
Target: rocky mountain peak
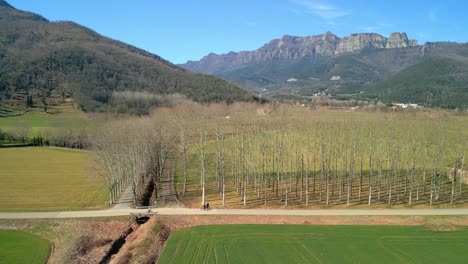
328	36
288	38
398	40
355	42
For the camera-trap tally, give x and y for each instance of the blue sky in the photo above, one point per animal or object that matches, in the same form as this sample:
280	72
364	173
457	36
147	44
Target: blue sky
181	30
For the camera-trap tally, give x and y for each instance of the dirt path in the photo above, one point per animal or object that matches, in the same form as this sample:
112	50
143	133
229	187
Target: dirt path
167	197
188	211
125	200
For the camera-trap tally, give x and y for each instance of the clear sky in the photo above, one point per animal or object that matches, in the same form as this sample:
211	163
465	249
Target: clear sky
181	30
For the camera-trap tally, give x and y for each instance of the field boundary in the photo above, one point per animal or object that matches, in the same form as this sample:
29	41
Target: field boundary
17	145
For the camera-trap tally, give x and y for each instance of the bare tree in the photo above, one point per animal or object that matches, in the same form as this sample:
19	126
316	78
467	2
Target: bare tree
202	155
220	163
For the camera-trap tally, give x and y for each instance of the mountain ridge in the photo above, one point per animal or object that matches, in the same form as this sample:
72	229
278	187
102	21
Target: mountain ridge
352	67
293	48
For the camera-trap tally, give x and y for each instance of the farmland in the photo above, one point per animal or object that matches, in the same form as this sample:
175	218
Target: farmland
48	179
37	122
296	157
255	156
21	247
314	244
278	155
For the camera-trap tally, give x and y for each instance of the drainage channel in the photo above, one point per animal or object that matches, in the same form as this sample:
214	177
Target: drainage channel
118	243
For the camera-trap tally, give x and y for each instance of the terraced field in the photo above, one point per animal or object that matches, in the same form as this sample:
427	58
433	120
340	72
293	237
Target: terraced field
315	244
36	121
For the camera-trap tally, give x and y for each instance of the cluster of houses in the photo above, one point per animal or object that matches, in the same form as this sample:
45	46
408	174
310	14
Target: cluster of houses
321	94
405	106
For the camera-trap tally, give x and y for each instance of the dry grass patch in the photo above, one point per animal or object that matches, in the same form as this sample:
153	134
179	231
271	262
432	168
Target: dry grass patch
47	179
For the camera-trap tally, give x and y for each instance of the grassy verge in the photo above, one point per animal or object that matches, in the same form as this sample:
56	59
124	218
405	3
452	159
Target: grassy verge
73	240
21	247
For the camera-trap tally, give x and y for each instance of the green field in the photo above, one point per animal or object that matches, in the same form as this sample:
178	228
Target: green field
38	122
20	247
315	244
49	179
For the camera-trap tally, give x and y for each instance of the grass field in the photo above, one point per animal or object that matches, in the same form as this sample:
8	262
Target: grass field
39	122
315	244
20	247
48	179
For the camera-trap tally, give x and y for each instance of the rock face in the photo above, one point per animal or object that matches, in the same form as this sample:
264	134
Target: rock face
398	40
357	42
293	48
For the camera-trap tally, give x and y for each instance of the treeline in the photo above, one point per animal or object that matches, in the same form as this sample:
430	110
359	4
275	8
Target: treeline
132	153
142	103
75	138
137	151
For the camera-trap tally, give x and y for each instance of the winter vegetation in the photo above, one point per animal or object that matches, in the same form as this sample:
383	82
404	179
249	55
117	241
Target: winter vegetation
141	103
132	153
295	157
248	155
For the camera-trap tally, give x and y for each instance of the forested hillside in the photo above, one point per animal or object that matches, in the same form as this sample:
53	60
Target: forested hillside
437	81
63	59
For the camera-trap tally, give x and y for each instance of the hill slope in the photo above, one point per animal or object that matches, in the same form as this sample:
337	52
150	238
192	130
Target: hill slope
436	81
64	58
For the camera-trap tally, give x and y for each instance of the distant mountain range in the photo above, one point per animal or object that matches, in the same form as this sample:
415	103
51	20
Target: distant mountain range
360	66
44	59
